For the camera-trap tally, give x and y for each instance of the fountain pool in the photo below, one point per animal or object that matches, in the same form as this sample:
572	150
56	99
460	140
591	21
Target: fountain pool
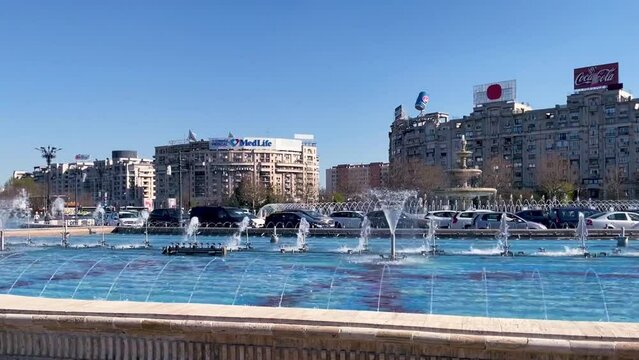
472	280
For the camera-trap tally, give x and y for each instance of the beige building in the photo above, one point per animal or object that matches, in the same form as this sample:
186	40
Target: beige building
356	178
595	131
123	180
206	172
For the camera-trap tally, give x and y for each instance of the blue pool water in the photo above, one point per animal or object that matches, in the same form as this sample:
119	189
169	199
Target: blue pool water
472	282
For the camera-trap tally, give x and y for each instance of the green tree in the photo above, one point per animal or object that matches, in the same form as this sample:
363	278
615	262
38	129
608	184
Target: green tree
35	191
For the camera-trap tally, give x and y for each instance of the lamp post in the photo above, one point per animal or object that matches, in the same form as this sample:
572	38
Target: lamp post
48	153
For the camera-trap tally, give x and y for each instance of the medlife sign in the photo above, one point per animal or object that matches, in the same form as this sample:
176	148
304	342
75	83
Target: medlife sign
230	143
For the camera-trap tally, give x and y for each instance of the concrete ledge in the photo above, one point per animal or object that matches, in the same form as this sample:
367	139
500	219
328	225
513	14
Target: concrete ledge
57	231
41	328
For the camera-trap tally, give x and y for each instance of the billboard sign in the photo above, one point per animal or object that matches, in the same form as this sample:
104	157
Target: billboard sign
399	113
255	143
422	101
229	143
148	204
596	76
82	156
493	92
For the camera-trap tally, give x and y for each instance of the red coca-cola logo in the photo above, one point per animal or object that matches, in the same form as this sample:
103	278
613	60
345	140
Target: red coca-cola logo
594	76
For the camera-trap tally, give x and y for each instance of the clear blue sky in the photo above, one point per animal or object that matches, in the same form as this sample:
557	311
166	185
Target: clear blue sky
93	76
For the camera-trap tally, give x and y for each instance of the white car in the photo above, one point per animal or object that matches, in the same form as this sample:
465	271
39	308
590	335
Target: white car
442	218
347	219
256	222
464	219
126	218
612	220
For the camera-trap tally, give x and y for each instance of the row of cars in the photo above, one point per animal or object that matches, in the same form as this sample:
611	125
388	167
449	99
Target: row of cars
340	219
221	216
564	218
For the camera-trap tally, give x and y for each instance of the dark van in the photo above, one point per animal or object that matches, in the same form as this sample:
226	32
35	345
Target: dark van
218	216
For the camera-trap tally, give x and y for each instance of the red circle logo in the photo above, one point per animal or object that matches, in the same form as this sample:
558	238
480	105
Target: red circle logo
493	92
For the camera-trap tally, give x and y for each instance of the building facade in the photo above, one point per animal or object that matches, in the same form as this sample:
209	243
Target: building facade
356	178
206	172
596	131
122	180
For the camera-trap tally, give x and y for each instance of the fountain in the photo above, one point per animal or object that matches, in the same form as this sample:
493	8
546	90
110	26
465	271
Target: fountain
502	236
460	189
235	244
58	209
300	244
98	214
582	234
392	204
144	214
430	245
622	239
16	207
274	238
193	247
191	230
364	235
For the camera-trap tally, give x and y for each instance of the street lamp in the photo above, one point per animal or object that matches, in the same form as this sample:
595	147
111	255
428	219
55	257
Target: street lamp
48	153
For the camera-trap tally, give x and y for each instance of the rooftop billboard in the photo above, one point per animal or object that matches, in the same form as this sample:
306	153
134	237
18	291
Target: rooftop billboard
596	76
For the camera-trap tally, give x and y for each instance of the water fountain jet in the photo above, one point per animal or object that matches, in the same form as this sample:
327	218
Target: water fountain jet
144	214
392	204
58	208
98	214
502	236
581	233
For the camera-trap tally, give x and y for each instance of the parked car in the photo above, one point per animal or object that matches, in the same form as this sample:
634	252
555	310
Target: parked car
167	217
289	219
378	220
493	221
129	219
567	217
256	222
612	220
347	219
464	219
219	216
313	214
538	216
442	218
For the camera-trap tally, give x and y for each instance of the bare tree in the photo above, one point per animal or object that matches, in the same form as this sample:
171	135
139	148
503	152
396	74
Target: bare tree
555	177
497	173
251	192
613	183
417	176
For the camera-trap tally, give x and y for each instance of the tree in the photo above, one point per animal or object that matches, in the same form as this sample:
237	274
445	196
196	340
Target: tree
250	193
415	175
35	191
497	173
554	176
613	183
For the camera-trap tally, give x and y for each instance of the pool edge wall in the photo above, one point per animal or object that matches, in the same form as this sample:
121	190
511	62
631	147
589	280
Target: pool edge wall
82	329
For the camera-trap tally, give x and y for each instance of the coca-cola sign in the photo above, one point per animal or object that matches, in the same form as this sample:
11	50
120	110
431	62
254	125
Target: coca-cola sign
596	76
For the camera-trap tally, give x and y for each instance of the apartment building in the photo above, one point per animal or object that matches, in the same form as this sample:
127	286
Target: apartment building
596	131
356	178
206	172
122	180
